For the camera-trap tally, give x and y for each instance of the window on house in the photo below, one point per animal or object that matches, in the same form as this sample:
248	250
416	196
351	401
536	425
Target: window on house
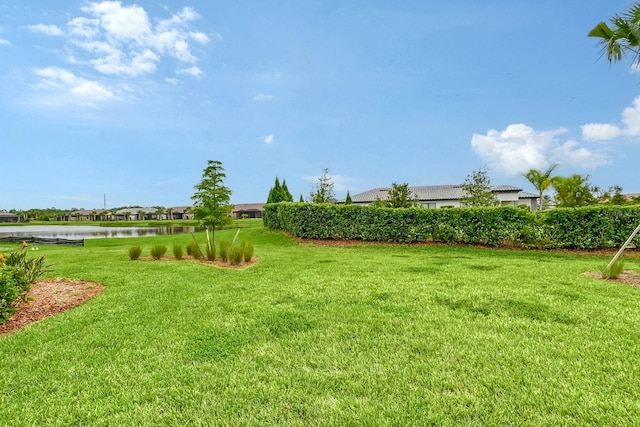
507	203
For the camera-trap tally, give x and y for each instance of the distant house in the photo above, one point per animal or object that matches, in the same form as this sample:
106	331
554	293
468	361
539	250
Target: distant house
181	212
85	215
8	217
440	196
248	210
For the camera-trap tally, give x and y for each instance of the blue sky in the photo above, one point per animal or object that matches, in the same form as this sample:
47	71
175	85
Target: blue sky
131	99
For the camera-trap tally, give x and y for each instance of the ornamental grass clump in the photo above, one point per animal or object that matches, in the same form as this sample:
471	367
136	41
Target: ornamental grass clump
236	254
135	252
225	245
177	251
193	249
614	272
211	252
158	251
248	252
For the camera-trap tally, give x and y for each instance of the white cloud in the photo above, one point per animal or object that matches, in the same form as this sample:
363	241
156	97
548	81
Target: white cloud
121	23
570	153
50	30
193	71
605	132
121	40
201	38
172	81
600	132
520	148
84	27
5	42
66	88
268	139
262	97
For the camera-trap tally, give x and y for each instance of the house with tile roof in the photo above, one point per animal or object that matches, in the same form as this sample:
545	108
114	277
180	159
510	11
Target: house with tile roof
8	217
248	210
440	196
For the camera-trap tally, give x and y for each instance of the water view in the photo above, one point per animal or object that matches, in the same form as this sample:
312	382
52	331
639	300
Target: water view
89	231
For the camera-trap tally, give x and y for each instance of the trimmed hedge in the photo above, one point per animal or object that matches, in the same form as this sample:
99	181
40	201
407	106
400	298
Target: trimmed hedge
583	228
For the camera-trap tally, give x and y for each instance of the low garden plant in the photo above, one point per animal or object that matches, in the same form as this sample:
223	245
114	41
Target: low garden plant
614	271
158	251
134	252
17	273
177	251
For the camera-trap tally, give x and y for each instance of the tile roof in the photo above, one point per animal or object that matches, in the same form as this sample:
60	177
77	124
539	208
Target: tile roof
436	192
248	207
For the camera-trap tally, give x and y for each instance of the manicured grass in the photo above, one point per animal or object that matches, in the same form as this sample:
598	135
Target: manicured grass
316	335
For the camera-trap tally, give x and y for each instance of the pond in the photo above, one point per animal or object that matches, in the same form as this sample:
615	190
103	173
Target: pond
89	231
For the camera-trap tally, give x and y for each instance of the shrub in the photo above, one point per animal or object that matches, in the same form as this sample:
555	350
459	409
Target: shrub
615	270
211	252
13	288
32	268
193	249
225	245
236	254
135	252
177	251
248	252
158	251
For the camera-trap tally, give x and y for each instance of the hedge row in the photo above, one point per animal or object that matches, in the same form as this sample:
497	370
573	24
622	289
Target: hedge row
583	228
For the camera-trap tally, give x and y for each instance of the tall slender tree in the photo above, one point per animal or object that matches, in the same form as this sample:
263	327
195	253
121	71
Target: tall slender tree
212	205
541	181
323	189
347	200
279	192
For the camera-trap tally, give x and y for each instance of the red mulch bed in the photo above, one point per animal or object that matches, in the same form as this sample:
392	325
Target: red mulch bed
49	297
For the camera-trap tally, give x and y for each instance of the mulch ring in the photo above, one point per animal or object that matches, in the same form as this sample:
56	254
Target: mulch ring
49	297
628	277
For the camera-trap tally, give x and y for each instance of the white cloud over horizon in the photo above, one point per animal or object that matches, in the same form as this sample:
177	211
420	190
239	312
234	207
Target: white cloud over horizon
519	148
630	126
4	42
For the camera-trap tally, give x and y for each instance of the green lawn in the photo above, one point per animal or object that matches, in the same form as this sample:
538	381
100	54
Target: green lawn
316	335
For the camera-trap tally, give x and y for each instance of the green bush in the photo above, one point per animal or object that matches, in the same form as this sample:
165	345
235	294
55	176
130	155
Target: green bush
614	272
225	245
193	249
248	252
31	267
211	252
236	254
135	252
591	227
177	251
158	251
14	286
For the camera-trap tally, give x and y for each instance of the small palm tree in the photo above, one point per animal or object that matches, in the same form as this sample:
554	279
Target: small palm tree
541	181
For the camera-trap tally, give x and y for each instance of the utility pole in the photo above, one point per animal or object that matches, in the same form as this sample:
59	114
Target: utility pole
105	201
